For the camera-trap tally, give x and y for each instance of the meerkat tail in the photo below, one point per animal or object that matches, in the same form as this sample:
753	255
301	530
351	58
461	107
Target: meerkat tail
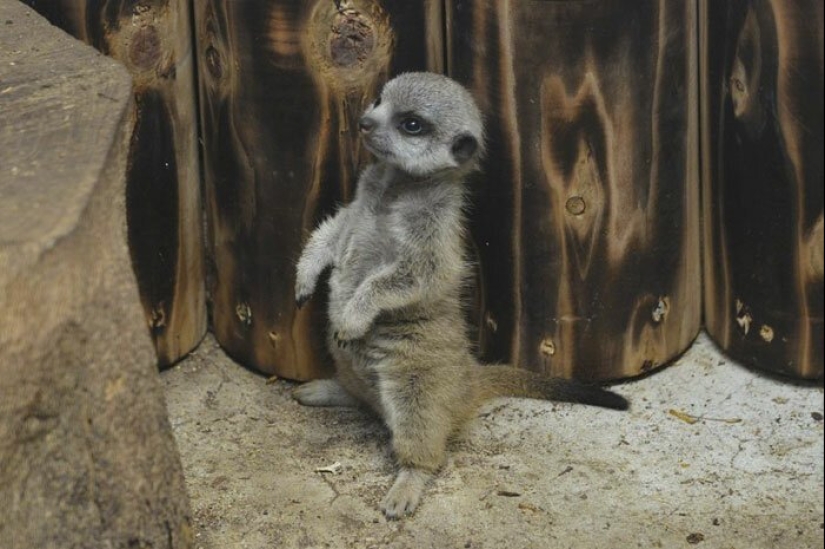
507	381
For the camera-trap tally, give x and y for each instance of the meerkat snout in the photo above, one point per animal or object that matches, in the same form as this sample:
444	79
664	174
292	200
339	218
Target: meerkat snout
366	124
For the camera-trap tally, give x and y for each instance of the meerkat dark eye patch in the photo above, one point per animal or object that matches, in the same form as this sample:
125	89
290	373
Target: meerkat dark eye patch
464	147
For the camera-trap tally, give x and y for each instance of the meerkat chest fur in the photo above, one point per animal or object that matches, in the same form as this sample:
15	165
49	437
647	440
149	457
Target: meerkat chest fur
398	224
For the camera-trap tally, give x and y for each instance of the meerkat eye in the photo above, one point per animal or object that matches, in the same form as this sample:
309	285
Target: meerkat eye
412	125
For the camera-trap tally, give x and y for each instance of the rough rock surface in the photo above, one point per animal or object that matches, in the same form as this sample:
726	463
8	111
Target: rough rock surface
87	458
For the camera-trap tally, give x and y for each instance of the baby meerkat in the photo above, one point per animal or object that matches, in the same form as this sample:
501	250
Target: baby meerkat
396	326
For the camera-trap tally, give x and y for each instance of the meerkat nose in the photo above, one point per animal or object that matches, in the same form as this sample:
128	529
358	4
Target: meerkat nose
366	124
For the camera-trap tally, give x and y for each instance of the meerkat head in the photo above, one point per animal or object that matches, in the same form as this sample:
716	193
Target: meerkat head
424	124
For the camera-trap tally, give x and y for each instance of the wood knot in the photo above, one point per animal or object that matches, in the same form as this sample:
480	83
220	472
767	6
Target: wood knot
244	313
743	317
490	322
353	39
575	205
349	47
145	48
547	348
214	64
661	309
737	85
157	319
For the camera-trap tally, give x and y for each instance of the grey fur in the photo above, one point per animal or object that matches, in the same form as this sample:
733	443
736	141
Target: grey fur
396	327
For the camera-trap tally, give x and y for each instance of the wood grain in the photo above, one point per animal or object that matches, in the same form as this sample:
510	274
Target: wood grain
282	86
762	114
586	218
153	39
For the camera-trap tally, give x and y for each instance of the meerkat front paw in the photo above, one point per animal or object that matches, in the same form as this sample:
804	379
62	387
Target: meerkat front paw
303	291
306	277
355	322
300	300
343	338
340	342
354	326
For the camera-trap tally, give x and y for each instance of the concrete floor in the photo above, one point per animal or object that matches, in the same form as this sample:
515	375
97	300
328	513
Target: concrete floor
711	455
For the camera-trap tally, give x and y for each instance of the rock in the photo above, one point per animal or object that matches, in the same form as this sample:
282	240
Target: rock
87	457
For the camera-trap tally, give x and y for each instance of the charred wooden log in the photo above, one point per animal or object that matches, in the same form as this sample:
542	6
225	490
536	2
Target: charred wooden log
762	140
586	218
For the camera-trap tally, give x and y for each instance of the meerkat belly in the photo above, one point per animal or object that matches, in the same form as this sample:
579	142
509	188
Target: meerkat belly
405	336
400	347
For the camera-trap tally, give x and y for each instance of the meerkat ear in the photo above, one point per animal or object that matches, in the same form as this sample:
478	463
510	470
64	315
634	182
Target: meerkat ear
464	147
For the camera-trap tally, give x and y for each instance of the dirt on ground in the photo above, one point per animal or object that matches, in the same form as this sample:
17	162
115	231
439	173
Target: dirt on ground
710	455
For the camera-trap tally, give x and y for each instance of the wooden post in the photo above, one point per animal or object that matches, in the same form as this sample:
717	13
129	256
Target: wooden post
762	140
282	86
586	218
154	40
87	457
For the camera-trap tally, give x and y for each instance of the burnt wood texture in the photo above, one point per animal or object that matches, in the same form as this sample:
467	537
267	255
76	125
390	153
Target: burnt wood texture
586	218
762	142
153	39
282	85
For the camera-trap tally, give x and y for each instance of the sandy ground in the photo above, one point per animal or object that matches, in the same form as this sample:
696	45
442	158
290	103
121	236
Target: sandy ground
711	455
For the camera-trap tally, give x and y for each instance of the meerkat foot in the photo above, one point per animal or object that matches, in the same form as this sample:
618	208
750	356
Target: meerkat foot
405	494
323	392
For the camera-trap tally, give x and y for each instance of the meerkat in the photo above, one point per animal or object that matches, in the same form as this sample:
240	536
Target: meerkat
396	325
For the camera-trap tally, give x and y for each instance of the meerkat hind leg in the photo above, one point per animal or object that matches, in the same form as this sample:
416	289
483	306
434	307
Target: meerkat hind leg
405	494
323	392
419	443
